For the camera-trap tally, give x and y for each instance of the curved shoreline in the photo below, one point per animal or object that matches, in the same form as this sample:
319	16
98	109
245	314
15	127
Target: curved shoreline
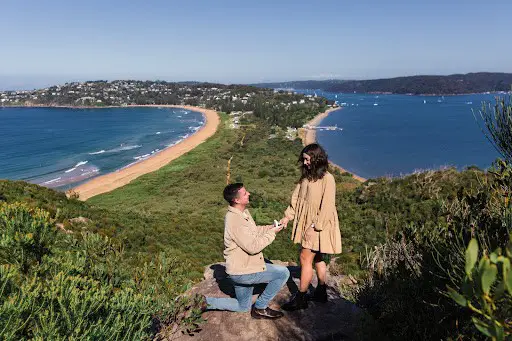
310	137
110	181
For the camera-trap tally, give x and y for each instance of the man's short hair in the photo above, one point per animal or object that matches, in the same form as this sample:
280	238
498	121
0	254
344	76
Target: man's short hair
231	192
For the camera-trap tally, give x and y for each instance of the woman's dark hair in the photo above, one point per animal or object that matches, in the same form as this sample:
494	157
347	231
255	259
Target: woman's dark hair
231	192
319	162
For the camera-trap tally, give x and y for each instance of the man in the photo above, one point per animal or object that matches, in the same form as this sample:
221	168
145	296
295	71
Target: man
243	245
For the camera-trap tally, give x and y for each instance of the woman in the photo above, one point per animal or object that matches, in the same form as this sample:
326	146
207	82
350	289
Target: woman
315	222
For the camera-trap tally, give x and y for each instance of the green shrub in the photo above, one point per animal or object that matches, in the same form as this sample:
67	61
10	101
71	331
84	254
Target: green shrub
408	274
487	290
26	235
55	286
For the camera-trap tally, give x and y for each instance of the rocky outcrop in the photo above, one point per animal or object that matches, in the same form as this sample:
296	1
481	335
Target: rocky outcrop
338	319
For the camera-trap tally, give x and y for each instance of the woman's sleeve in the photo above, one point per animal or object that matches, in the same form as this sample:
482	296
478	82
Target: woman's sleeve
328	203
290	211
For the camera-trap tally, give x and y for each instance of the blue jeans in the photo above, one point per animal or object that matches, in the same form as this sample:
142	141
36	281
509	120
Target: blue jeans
275	275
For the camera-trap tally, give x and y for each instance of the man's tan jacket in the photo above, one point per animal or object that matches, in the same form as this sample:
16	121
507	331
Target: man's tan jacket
243	243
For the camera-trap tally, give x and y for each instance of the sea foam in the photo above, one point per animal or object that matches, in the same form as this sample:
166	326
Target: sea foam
98	152
81	163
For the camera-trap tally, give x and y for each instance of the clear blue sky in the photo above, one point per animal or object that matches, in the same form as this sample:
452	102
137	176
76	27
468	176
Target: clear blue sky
54	41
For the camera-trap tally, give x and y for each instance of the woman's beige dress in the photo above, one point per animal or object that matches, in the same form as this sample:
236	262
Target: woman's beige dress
315	202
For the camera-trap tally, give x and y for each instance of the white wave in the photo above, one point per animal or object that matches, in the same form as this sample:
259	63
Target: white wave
158	133
98	152
81	163
141	156
93	170
51	181
123	148
179	116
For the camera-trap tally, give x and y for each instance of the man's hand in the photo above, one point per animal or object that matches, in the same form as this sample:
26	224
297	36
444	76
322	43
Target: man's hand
274	227
278	228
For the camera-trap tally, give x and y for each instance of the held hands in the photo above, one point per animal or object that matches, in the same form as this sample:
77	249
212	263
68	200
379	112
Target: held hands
277	226
284	221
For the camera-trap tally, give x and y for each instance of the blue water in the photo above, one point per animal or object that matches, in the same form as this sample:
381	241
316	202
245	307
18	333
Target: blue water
392	135
60	147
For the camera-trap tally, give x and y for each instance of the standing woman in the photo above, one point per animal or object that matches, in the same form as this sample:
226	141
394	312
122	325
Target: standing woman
315	223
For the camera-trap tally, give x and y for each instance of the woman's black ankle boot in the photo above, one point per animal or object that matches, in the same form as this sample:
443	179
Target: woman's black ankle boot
320	294
297	302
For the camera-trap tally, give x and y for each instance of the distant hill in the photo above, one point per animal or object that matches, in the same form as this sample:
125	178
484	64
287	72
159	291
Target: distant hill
301	84
452	84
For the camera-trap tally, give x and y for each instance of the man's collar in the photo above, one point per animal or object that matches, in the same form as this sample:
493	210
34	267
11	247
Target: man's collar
244	214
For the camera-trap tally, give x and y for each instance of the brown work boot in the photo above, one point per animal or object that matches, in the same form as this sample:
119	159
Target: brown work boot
266	313
204	305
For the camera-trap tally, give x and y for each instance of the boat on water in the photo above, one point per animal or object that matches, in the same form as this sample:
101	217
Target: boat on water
375	104
424	101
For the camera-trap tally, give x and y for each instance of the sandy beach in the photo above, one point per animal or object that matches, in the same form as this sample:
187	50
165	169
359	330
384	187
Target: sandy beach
310	137
108	182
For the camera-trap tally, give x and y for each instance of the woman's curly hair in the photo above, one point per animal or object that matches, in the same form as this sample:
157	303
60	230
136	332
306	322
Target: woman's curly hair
319	162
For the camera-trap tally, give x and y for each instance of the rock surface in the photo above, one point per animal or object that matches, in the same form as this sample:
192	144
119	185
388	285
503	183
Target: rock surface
338	319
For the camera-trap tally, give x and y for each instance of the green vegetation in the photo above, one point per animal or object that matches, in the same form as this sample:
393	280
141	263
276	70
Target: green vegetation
54	286
182	205
137	248
485	288
134	250
410	275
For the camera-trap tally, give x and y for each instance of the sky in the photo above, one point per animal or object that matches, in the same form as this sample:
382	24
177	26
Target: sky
57	41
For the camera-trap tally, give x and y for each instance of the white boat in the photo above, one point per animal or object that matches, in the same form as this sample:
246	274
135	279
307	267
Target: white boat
375	104
424	101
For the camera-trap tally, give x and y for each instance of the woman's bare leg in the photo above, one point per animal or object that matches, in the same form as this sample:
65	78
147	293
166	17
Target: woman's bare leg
306	269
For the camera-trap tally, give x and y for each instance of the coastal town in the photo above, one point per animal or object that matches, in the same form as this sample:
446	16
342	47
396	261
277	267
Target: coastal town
237	99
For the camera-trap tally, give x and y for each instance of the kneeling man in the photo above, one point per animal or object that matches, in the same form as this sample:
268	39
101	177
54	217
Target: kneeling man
245	265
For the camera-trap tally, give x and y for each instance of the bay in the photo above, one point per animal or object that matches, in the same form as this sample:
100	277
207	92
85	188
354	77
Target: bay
62	147
393	135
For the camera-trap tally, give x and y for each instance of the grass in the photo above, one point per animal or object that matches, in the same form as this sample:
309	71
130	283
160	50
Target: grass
181	204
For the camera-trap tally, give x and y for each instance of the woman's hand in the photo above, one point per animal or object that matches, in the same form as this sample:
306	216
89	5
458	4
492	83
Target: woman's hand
284	221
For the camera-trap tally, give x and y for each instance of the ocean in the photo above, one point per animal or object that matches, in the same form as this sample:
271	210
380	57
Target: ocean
63	147
394	135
